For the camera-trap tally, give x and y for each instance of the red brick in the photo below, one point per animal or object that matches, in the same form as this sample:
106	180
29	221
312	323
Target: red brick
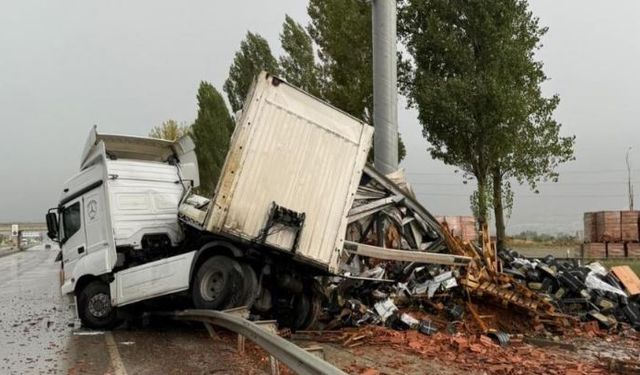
608	226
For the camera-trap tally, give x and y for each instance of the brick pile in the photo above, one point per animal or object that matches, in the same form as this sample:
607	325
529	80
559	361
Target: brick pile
611	234
476	353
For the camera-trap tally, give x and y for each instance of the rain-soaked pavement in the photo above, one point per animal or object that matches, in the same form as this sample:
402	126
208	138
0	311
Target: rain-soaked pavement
33	316
41	336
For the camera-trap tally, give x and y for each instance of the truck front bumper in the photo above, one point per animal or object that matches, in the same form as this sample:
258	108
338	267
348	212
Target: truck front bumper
67	287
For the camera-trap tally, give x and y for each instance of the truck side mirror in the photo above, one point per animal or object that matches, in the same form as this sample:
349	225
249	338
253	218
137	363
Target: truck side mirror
52	225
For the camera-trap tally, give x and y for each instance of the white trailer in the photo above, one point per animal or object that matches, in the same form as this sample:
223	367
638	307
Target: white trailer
130	229
289	153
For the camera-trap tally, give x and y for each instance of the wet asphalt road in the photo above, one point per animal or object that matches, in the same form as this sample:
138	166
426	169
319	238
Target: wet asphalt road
33	315
41	336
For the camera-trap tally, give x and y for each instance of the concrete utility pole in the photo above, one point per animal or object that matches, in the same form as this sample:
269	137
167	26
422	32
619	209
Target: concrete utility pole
15	236
385	86
630	186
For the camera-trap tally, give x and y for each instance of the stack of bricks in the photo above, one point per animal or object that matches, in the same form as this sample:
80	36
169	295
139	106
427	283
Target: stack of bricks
590	227
611	234
595	250
608	226
629	226
633	250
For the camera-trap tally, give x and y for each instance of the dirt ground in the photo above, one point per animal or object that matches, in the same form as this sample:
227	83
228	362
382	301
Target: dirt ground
383	351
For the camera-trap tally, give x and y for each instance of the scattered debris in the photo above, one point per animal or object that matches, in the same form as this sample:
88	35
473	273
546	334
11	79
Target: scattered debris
408	282
628	279
583	292
621	366
385	309
502	338
426	327
503	298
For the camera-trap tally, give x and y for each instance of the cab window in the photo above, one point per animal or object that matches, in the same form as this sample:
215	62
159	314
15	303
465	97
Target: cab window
71	220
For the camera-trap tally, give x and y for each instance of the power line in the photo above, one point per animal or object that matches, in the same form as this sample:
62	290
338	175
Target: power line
533	195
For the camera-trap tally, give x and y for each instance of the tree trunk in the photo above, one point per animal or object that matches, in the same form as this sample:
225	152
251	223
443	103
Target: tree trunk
482	200
498	210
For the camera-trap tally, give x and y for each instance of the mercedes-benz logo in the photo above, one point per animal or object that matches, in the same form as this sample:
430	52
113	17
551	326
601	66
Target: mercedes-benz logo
92	209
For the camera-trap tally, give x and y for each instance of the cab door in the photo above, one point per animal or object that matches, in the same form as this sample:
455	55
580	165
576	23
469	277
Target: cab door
73	238
98	234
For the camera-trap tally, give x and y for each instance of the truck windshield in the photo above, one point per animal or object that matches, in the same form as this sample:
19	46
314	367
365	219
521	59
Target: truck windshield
70	220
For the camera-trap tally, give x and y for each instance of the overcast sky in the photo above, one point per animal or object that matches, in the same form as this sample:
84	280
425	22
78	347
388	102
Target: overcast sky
128	65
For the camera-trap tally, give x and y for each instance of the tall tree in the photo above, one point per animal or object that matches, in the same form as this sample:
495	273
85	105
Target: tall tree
340	32
531	158
169	130
341	29
254	56
475	83
298	65
212	131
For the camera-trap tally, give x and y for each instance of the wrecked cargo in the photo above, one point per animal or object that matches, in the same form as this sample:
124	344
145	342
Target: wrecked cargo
294	184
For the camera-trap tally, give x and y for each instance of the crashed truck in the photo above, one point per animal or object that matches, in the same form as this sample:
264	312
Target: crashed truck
295	201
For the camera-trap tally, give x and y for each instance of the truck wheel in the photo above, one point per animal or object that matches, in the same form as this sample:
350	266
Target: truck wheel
308	306
250	287
94	306
216	283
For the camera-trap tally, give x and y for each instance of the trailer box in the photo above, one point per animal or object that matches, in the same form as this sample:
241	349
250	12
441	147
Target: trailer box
291	173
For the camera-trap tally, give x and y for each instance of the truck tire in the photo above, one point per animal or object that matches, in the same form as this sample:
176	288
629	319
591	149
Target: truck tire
217	283
94	306
250	285
308	306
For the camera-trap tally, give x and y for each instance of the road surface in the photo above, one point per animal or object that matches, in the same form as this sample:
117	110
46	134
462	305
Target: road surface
41	336
33	316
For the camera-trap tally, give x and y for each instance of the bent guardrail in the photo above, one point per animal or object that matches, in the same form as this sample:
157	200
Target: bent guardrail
297	359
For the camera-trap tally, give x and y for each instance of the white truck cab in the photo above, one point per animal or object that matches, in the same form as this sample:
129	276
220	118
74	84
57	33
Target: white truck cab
131	229
123	203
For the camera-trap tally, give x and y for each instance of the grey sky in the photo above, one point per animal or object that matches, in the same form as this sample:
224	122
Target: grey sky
127	66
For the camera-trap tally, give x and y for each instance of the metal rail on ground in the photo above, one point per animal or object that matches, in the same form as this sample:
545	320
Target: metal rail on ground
296	358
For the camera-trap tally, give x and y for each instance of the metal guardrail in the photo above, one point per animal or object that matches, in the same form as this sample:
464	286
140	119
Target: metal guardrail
297	359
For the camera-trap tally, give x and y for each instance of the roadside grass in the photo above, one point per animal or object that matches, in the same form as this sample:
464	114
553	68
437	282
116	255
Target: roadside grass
542	251
634	264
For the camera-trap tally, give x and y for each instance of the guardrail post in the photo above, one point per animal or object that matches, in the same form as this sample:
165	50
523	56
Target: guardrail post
275	369
270	326
212	332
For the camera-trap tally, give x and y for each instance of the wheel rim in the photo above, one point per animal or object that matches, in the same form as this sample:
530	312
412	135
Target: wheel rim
99	305
211	285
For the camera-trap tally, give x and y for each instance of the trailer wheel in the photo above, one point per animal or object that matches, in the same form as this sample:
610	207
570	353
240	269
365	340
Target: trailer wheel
216	283
94	306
